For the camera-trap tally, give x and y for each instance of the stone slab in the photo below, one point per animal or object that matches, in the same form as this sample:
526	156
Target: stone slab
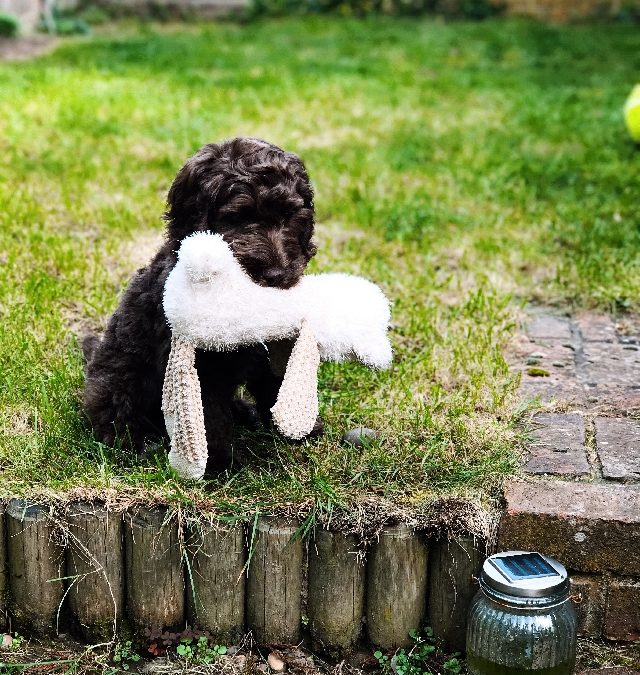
596	327
610	671
589	527
610	364
558	446
622	619
589	593
548	326
556	358
618	444
611	374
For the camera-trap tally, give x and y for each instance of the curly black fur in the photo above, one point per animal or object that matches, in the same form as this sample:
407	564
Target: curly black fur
259	198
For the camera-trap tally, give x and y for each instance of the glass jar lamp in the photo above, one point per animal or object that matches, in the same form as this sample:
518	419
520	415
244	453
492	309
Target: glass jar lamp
521	621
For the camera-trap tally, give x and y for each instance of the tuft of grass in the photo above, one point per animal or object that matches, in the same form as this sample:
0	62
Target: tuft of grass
9	25
465	167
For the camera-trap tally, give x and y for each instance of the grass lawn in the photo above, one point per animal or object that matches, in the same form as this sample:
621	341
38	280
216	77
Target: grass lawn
467	168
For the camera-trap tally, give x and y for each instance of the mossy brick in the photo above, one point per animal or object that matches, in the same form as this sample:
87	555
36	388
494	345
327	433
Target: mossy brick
558	359
622	619
589	593
589	527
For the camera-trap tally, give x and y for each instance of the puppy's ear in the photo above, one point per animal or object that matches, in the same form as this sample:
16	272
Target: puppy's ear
310	250
193	191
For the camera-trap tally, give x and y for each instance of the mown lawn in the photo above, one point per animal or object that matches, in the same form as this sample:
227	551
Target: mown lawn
467	168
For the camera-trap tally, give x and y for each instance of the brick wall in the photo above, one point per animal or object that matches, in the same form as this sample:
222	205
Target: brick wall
568	10
581	501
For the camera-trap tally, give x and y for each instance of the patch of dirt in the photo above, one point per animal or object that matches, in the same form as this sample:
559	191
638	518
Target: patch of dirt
130	256
65	655
23	48
612	658
136	253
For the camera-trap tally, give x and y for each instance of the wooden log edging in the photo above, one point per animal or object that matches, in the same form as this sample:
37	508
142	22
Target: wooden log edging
397	571
216	580
336	591
274	600
455	565
36	567
3	569
155	579
112	569
95	569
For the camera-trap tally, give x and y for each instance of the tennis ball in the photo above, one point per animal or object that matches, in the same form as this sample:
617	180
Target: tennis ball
632	113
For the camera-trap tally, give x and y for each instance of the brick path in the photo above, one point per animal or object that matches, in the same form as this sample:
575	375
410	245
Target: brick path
580	501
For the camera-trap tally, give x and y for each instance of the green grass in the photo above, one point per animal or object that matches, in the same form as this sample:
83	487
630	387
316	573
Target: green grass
466	168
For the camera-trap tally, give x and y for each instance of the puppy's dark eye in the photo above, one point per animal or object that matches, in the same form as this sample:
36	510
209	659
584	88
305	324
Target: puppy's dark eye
231	220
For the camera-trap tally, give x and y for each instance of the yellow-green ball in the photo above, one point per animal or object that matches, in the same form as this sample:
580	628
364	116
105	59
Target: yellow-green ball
632	113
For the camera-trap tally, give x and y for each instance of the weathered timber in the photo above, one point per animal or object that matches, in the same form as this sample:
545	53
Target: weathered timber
455	565
3	569
155	581
274	589
216	580
36	567
396	586
95	568
336	591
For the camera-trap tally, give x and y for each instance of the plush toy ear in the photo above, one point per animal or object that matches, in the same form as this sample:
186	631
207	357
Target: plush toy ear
183	413
204	255
296	410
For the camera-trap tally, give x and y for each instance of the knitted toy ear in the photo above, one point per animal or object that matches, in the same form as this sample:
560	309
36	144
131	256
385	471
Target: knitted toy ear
296	410
183	413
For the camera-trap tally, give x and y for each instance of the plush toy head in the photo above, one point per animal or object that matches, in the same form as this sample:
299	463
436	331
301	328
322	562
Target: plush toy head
211	303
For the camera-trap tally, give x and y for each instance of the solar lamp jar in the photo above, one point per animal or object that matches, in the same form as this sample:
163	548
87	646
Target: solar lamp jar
521	621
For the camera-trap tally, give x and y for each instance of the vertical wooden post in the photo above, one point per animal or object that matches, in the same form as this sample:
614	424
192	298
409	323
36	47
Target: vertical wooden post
336	591
454	564
274	589
36	567
3	569
95	567
396	586
216	580
155	582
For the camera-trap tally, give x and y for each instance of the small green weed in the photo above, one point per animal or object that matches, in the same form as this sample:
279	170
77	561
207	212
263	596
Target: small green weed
17	643
125	656
422	659
199	651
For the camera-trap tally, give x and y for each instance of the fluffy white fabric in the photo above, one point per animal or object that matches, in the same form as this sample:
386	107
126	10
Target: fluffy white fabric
212	302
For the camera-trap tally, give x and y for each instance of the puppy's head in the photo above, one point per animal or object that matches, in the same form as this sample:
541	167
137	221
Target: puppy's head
258	197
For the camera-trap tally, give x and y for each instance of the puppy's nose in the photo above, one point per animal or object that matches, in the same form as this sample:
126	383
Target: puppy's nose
274	276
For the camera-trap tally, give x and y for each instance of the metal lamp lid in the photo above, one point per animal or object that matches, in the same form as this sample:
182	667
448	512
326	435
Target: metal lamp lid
524	574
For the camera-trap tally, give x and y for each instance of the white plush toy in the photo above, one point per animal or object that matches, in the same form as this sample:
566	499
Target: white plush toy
211	303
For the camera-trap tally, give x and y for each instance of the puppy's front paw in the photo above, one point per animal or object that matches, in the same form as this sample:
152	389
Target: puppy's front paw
318	428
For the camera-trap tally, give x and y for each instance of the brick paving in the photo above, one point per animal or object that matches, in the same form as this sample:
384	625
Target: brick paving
579	499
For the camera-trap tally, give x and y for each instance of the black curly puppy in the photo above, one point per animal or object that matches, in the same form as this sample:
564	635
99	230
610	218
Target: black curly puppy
259	198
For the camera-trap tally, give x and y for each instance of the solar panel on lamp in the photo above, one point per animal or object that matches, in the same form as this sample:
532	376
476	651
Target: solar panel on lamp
523	566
